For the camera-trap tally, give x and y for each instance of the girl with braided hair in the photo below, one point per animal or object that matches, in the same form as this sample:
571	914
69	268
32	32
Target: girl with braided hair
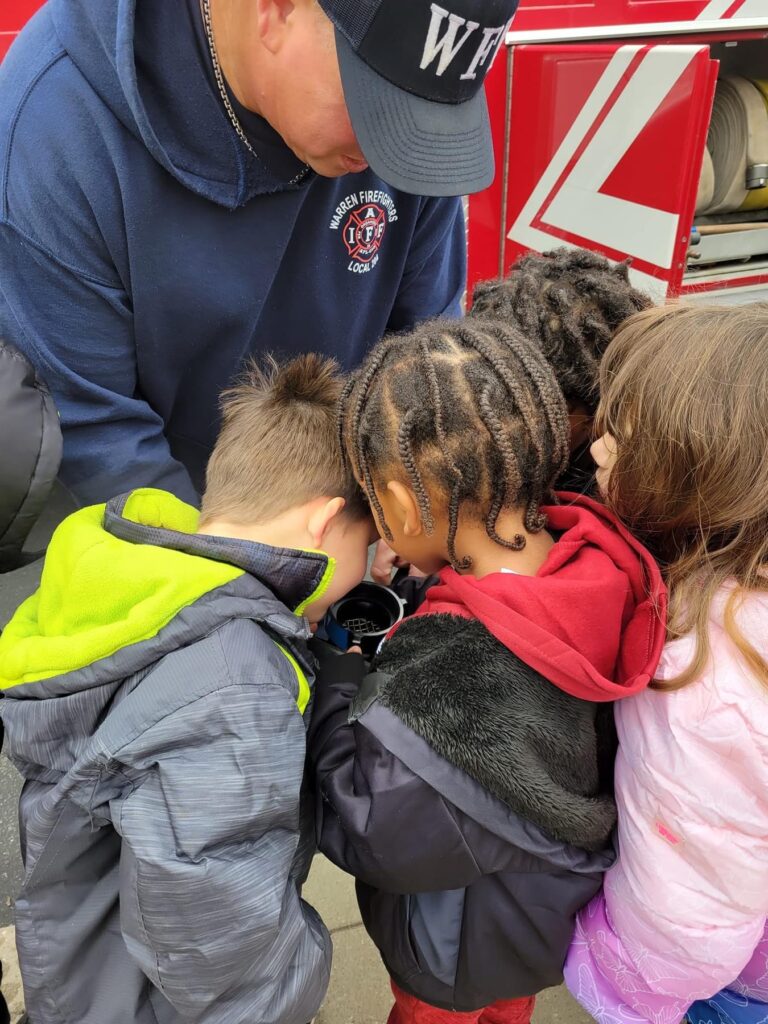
570	303
465	780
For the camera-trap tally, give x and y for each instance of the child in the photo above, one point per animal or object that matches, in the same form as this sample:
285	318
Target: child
156	692
683	463
462	783
569	302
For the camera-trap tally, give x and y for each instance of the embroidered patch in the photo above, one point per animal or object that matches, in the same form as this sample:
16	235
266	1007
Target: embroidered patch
362	219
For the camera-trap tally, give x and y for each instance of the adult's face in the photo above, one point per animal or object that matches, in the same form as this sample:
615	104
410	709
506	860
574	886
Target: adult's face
294	83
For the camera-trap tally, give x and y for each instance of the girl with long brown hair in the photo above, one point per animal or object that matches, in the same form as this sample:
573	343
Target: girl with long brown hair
683	461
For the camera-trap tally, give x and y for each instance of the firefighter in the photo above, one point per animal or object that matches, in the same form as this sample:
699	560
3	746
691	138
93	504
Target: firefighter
186	184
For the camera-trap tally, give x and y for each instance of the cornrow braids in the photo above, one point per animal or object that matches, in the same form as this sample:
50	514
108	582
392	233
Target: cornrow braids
454	508
374	500
541	376
570	302
544	380
549	393
345	393
358	455
469	415
405	450
434	389
512	478
454	469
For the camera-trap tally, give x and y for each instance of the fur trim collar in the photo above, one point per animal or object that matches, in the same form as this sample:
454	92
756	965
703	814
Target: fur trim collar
545	754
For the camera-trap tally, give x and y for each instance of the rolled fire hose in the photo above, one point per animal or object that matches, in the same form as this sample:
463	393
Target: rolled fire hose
757	198
706	184
737	140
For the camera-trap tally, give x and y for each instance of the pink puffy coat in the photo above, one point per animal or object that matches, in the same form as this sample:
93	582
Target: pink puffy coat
683	912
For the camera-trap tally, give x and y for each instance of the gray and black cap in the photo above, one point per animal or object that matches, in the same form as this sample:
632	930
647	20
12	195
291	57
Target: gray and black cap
413	74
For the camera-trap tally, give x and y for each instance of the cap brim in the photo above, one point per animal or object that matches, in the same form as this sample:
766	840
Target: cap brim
413	144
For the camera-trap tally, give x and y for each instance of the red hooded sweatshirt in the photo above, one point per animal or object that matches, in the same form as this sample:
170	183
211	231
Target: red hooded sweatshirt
593	618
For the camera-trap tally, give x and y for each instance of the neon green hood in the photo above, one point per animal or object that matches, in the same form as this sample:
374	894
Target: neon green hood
99	593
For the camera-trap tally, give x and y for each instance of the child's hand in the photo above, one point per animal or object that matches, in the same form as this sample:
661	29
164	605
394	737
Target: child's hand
385	561
355	650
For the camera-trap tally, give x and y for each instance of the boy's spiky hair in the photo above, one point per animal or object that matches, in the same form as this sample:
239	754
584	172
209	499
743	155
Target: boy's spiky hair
278	447
570	302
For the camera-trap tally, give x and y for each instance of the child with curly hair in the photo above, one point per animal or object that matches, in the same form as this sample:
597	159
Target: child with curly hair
570	303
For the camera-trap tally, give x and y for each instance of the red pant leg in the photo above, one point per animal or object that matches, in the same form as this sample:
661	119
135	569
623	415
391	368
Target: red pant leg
410	1010
509	1011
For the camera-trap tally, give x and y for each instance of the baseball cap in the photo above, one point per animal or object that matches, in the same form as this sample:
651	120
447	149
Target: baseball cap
413	73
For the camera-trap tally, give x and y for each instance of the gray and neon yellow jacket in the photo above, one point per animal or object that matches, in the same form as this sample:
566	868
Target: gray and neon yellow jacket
155	694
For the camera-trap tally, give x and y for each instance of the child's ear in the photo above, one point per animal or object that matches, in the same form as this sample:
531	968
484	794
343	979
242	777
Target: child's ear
407	508
322	517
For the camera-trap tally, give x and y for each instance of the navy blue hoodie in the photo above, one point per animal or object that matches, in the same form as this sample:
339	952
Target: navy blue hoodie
144	253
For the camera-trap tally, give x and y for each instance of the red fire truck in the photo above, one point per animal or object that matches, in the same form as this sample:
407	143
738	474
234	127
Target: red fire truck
638	128
14	14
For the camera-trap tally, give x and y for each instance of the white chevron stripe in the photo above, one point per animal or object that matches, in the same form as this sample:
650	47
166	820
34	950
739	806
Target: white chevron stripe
579	207
716	9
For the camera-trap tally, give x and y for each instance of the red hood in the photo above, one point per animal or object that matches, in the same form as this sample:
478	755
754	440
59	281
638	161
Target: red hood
592	620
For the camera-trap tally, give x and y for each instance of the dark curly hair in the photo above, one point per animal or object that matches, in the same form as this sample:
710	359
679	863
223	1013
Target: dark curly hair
570	302
464	412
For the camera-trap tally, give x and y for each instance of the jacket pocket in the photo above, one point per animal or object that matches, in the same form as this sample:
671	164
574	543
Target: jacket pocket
62	937
387	920
435	926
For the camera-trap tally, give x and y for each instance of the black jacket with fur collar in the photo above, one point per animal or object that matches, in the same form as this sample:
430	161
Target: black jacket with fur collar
471	799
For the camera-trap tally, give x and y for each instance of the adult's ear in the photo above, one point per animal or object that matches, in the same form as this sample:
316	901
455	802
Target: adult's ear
321	519
406	507
273	20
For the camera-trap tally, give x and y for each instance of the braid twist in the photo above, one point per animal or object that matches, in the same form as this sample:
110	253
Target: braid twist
434	389
511	480
568	302
363	384
547	388
513	386
405	449
548	394
373	498
473	403
534	518
342	411
453	525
